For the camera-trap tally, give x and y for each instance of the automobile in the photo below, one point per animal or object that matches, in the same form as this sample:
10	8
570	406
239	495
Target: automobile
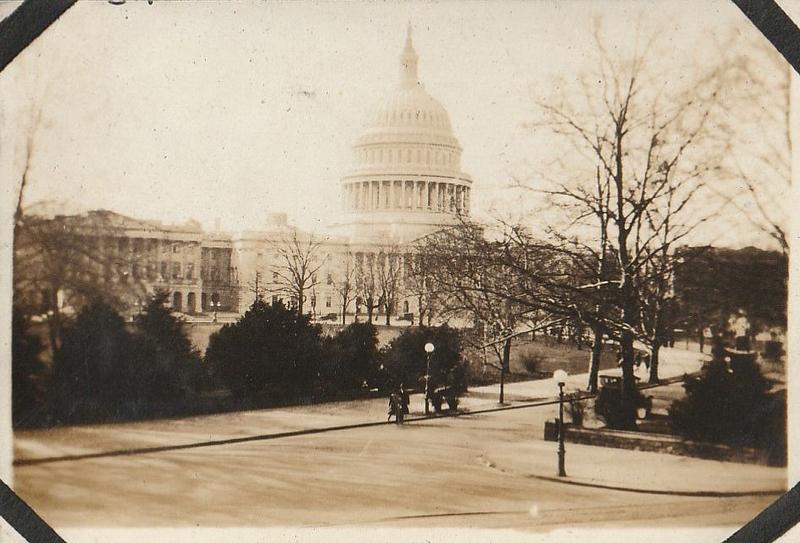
329	317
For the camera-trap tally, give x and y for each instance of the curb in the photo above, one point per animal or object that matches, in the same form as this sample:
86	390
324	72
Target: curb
621	488
685	493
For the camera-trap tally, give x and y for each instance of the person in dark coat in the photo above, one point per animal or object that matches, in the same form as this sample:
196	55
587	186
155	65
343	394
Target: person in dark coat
404	400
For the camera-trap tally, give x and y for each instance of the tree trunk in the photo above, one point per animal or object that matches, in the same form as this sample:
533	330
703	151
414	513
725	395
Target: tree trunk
502	384
594	359
654	363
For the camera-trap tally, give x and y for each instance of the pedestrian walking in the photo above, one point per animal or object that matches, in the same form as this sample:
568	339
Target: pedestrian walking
404	399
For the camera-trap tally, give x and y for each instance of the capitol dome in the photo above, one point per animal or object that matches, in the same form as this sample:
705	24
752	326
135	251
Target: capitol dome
406	180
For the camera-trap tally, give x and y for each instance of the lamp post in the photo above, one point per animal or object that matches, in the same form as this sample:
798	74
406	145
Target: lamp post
429	348
560	377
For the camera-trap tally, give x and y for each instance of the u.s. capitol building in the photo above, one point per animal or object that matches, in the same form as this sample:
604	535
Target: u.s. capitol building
405	182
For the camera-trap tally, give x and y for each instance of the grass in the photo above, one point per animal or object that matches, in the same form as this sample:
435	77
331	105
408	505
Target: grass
540	358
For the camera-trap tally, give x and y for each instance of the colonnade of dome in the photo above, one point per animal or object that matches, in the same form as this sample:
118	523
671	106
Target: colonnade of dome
406	195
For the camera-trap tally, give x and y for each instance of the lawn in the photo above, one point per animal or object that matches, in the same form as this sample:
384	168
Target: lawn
540	358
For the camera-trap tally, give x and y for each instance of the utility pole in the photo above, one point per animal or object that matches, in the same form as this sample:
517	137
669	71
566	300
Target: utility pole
255	287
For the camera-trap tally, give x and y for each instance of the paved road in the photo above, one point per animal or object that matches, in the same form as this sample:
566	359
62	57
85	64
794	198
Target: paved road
436	473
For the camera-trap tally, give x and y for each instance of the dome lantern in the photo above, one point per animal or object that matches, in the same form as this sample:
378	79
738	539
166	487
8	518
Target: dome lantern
408	62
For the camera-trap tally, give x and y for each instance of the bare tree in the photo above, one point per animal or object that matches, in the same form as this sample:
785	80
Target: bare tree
653	151
64	262
299	262
757	126
479	279
389	265
367	283
418	281
345	284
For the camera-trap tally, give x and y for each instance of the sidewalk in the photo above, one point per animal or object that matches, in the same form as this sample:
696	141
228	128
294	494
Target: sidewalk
635	471
673	363
622	469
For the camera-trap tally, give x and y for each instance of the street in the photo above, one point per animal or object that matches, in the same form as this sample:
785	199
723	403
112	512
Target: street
444	472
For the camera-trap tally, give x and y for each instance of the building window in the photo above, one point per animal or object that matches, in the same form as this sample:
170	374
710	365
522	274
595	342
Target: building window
174	247
164	273
327	301
329	279
176	270
189	271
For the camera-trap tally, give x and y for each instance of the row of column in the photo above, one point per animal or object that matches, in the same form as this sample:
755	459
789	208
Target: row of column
413	195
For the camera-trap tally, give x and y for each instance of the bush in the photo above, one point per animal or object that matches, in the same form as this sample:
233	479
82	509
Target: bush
577	408
721	405
27	374
405	360
98	371
530	361
174	370
269	350
349	358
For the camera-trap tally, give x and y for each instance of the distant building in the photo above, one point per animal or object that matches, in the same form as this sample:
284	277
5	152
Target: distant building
406	182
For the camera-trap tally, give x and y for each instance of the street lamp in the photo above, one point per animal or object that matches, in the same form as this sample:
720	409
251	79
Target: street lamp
560	377
215	306
429	348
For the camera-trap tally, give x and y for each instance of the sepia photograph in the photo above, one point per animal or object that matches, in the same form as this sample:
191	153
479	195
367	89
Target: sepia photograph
397	271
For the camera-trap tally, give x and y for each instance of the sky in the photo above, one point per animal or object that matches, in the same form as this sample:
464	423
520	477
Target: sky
232	110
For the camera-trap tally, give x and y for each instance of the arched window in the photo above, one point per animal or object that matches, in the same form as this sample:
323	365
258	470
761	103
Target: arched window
177	301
